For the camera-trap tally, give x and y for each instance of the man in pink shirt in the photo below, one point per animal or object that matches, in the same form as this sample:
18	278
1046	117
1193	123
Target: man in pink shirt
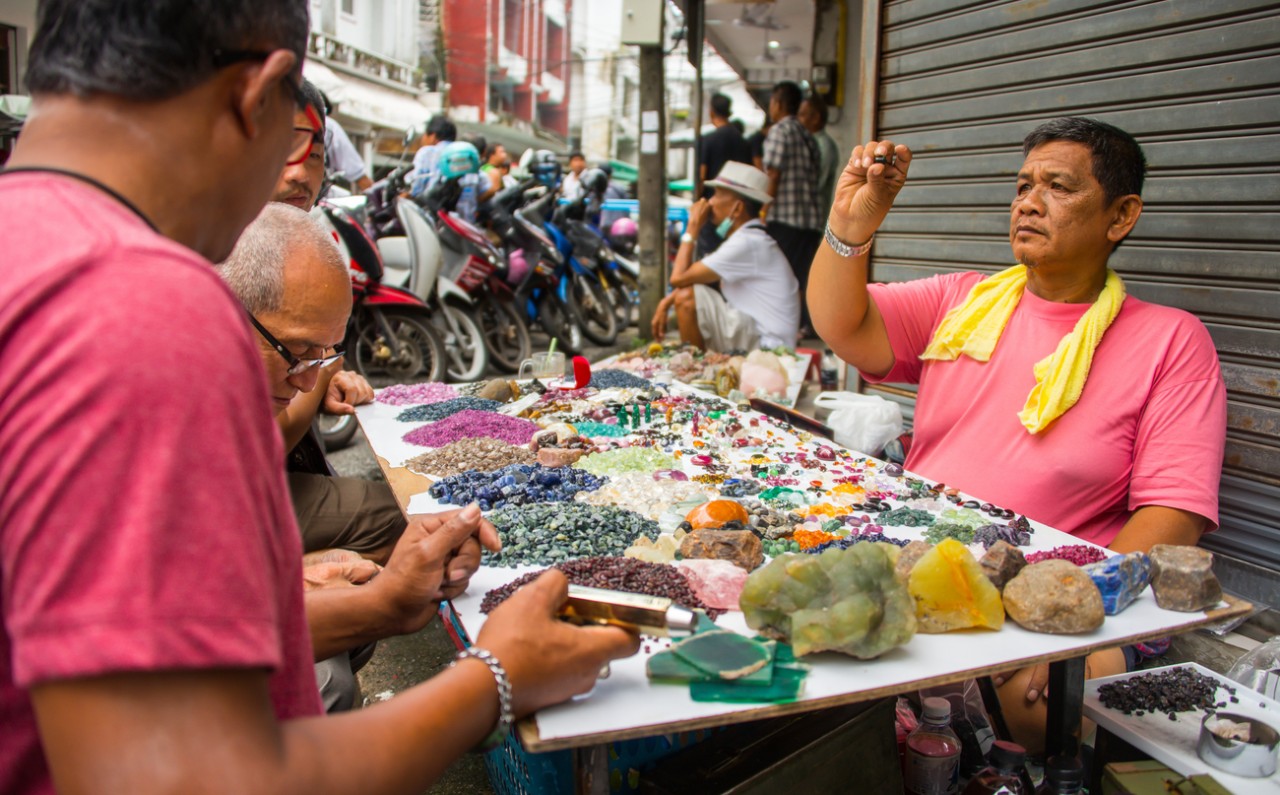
1134	460
153	635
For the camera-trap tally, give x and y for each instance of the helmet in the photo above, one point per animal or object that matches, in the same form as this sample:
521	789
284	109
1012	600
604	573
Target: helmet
544	167
593	182
623	231
458	158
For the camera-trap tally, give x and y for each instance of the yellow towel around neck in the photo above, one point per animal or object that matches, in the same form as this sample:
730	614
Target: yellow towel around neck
974	327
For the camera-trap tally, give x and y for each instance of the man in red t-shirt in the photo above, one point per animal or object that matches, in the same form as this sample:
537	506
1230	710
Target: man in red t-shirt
153	635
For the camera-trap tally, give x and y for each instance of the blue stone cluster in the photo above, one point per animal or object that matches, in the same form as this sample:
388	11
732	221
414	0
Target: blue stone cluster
518	484
1121	579
611	379
446	408
855	538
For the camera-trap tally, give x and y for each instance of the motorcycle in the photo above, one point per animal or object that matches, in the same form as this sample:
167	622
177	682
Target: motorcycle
389	333
541	290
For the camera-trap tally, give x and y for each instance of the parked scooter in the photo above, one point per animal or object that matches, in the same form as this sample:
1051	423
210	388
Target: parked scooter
389	332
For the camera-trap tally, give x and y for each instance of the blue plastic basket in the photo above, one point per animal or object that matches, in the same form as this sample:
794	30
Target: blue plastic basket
514	771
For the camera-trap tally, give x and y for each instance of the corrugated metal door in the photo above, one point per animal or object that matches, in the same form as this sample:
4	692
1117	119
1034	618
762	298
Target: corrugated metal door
1196	82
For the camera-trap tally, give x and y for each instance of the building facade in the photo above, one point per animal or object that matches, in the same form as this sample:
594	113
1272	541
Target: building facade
507	63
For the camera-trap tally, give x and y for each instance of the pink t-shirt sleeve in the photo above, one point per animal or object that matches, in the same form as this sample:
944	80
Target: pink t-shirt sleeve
911	311
1181	435
137	523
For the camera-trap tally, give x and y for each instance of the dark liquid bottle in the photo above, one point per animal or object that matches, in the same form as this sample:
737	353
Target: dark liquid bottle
933	752
1004	774
1063	775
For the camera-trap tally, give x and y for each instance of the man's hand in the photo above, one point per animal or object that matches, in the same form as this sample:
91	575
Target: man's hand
346	390
659	323
698	214
336	568
433	561
866	189
549	660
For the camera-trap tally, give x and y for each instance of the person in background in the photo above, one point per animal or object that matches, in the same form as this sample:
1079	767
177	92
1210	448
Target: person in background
569	185
440	133
1111	410
813	115
760	304
340	155
300	182
491	159
150	558
756	141
722	145
791	160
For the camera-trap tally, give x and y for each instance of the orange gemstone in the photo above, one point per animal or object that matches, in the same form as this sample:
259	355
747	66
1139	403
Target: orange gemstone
715	513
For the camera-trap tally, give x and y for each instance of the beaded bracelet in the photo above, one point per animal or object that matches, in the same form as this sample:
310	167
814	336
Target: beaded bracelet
846	249
505	715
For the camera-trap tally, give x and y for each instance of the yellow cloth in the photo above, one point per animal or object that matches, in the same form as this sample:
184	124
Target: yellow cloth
974	327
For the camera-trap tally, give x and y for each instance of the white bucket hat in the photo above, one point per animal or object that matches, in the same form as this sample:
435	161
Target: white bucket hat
747	181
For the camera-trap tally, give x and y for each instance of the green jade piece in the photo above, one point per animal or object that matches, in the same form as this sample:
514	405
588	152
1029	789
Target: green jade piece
713	655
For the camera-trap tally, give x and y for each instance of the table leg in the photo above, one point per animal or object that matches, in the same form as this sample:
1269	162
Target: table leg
591	768
1066	707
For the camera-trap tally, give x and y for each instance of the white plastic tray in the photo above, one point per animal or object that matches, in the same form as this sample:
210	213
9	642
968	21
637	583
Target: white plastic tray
1173	742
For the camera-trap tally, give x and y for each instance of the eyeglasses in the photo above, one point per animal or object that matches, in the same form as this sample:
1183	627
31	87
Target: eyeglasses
297	366
303	137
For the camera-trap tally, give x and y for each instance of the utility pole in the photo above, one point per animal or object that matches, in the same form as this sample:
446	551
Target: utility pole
651	189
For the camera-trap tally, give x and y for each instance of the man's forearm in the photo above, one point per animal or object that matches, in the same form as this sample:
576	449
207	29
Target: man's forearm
341	619
296	419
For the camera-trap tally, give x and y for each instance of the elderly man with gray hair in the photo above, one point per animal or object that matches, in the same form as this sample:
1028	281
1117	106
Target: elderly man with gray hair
294	286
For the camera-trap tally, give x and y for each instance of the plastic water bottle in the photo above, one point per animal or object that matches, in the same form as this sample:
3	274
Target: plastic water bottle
933	752
1004	773
1063	775
829	371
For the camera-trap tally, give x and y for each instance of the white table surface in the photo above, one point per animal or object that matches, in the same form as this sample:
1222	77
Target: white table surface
1173	742
627	705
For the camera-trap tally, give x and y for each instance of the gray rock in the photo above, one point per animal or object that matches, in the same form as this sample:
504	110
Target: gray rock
1183	578
1002	563
909	557
1055	597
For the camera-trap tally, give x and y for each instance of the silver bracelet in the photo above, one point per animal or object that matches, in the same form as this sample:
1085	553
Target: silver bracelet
505	716
845	249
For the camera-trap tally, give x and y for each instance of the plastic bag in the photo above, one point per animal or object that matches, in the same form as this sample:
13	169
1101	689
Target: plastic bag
865	423
1260	669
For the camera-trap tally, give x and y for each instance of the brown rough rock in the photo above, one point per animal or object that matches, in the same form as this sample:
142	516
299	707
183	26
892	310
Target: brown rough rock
1055	597
1002	563
909	557
499	389
558	457
740	547
1183	578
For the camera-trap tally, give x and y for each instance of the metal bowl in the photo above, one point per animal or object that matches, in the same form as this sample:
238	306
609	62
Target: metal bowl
1255	758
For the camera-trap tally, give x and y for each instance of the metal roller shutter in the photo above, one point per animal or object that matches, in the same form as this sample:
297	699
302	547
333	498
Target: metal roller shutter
1196	82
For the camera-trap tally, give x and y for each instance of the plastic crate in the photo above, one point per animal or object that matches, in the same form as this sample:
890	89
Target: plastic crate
514	771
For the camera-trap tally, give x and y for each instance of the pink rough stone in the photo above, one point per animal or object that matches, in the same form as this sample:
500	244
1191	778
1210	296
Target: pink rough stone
718	583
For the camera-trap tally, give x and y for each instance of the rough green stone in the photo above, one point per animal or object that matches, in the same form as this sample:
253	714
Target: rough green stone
845	600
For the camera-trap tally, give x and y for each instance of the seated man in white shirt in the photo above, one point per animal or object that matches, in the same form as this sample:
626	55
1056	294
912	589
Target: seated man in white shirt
758	305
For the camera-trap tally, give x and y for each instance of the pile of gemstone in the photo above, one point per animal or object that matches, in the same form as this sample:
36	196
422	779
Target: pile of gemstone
518	484
549	533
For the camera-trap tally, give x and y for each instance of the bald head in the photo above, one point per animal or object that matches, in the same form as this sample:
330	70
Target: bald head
288	274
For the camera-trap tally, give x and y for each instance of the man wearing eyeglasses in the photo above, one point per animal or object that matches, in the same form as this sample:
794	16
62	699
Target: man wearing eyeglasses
153	635
343	513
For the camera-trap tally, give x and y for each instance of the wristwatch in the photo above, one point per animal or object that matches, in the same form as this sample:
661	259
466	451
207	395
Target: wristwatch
686	238
846	249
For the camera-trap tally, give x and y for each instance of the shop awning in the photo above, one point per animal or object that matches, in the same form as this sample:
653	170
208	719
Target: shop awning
516	141
365	102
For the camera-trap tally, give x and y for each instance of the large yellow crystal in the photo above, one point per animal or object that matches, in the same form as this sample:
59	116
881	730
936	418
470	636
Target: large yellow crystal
951	592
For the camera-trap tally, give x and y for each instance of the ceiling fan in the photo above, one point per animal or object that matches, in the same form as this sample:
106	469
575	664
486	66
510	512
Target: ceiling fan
754	15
